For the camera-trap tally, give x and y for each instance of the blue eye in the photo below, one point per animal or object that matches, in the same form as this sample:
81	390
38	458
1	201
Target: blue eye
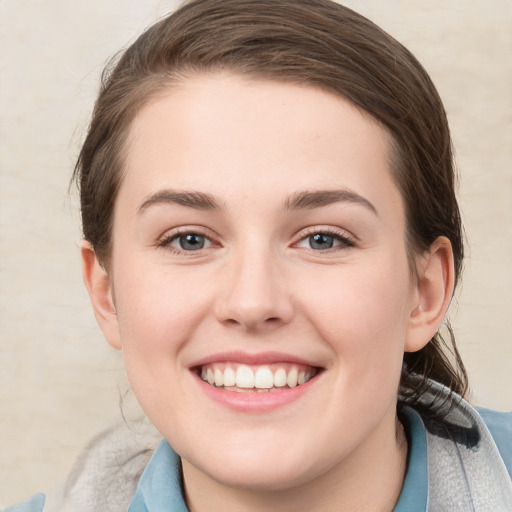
321	241
191	242
324	241
186	242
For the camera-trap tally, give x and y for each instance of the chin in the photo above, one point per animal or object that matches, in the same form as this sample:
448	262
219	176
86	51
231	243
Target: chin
261	476
271	463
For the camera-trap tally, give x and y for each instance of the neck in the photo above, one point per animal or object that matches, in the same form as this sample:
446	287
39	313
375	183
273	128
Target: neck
369	480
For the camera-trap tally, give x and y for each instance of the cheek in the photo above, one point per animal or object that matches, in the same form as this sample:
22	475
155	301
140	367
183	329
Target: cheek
362	314
158	313
159	309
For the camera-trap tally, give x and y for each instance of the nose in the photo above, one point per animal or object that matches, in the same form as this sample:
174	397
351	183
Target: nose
255	294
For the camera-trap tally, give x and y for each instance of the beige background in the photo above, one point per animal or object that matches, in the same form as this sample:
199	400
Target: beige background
59	381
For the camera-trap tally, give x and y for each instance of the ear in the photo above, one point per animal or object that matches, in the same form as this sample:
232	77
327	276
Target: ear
432	294
99	286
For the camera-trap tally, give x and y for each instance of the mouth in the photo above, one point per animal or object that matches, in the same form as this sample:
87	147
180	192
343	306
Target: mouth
267	378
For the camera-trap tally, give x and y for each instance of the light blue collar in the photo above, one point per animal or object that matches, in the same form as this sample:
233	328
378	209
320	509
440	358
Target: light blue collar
415	490
160	487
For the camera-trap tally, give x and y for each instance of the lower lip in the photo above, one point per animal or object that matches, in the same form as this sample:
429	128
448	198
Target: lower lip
254	401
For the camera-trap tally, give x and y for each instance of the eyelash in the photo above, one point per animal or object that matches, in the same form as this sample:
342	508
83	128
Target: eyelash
165	243
344	240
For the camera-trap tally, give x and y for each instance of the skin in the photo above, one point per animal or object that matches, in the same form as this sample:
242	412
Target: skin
259	286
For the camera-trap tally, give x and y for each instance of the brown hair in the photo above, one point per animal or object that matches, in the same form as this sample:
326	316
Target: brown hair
314	42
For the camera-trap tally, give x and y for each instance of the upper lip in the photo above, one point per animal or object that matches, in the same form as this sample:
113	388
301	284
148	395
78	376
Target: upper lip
252	359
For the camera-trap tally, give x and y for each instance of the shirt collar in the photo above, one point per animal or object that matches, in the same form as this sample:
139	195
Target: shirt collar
160	488
413	497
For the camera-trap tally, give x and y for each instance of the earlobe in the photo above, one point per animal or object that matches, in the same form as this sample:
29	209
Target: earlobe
99	286
433	293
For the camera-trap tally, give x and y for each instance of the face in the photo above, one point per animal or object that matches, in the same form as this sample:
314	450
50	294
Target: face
260	277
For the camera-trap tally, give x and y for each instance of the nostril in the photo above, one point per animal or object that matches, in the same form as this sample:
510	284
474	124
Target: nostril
274	320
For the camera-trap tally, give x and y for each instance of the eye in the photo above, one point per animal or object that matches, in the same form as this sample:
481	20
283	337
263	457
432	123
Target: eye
321	241
191	242
186	242
325	240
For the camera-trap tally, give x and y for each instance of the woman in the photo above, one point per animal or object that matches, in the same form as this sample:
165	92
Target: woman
272	239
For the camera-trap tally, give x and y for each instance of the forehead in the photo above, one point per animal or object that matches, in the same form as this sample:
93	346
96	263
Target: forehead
225	134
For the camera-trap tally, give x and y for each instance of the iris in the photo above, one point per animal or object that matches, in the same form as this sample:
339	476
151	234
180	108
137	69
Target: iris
321	241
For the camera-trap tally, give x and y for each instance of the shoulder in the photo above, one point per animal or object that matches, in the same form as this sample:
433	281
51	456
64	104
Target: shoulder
34	504
468	453
499	425
105	476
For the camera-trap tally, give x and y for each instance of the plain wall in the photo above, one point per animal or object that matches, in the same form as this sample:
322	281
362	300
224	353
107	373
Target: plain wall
59	381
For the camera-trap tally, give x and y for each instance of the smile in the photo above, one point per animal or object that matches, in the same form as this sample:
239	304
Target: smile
244	378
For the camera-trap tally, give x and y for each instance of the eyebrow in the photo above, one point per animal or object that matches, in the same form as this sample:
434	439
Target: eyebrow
195	200
306	200
309	200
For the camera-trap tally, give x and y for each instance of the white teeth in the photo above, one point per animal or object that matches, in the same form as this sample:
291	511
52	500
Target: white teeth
280	378
219	377
244	377
264	379
292	377
229	377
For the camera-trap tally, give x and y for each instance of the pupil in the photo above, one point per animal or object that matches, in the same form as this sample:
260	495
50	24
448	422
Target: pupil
191	242
321	241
